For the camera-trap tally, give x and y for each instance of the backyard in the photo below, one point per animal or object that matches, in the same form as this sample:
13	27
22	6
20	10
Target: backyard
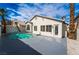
35	45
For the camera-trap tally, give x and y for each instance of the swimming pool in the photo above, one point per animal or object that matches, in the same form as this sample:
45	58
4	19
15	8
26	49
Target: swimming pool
20	36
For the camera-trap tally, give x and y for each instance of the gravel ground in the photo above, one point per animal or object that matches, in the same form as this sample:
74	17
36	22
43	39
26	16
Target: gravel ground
73	47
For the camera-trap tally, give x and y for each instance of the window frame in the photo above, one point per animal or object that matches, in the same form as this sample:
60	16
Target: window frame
28	26
56	29
42	28
48	28
35	28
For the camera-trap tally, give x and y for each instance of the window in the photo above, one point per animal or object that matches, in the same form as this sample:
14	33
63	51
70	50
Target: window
56	29
42	28
35	28
49	28
28	27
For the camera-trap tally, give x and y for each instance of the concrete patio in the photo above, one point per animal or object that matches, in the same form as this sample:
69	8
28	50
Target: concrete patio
47	45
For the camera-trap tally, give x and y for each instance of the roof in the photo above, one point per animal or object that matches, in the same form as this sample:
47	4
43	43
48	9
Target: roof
46	18
28	22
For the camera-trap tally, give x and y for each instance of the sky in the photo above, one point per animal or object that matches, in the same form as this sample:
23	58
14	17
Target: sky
25	11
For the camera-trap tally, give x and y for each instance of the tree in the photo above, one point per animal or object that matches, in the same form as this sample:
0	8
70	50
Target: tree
72	27
2	14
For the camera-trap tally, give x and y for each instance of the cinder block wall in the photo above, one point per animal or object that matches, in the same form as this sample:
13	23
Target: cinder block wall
11	29
77	33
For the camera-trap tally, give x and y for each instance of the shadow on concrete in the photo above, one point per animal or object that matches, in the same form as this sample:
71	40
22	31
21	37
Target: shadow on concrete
15	47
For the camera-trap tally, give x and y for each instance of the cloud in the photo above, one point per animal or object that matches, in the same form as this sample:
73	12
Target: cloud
19	18
22	17
51	10
17	12
27	11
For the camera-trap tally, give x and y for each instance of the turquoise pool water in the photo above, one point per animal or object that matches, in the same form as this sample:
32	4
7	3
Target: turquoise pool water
20	36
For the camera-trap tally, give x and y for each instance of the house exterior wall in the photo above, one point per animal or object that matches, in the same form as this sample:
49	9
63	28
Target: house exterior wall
64	30
38	21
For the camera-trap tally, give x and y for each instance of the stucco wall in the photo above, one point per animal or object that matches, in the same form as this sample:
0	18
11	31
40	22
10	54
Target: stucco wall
38	21
64	30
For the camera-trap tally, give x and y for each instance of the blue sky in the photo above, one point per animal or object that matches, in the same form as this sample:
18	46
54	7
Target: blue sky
26	11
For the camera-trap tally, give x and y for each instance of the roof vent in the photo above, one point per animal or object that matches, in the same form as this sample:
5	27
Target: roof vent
63	18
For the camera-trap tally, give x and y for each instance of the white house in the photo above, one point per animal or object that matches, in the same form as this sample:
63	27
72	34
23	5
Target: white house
46	26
